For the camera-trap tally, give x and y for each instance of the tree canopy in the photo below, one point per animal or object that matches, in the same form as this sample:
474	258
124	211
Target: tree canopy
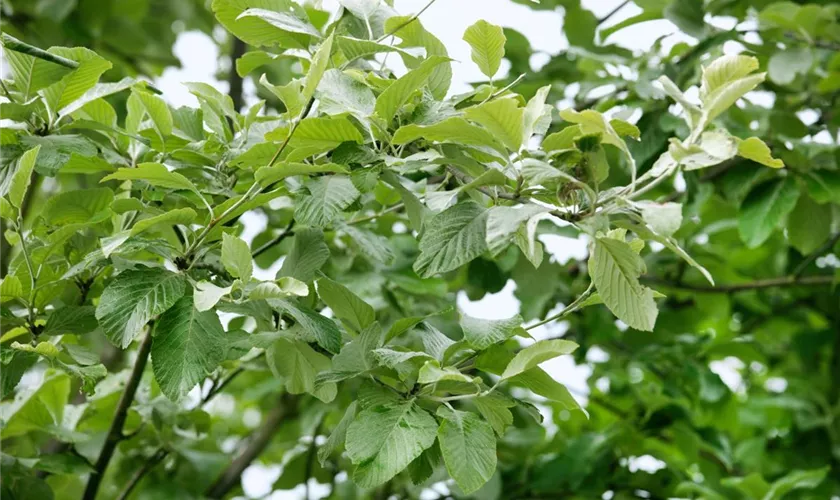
153	347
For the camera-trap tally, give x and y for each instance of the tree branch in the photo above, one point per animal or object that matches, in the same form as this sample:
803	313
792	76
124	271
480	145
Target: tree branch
782	282
234	80
260	439
115	433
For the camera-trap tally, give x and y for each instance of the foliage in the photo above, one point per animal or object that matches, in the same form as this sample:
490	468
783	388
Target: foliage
141	331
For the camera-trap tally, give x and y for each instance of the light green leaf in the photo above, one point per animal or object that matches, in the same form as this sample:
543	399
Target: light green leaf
155	174
390	100
269	175
7	211
714	148
282	20
452	130
482	333
692	112
22	176
346	305
236	257
374	247
504	222
452	238
312	326
537	116
809	225
256	31
73	85
283	288
798	479
494	409
207	295
468	446
754	149
187	346
785	65
78	206
309	252
39	408
355	48
501	117
10	288
664	218
431	372
357	356
488	46
133	298
158	112
320	62
318	135
535	354
565	139
45	349
615	269
384	439
328	197
725	80
412	33
339	93
177	216
764	208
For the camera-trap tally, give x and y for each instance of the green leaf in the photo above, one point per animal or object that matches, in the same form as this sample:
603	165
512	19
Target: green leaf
311	326
338	435
412	33
256	31
318	135
537	115
319	64
269	175
452	130
187	346
328	197
494	409
155	174
764	208
754	149
298	364
96	92
346	305
78	206
133	298
355	48
309	252
687	15
282	20
482	333
615	269
178	216
535	354
73	85
431	372
39	408
798	479
785	65
468	447
236	257
22	176
385	438
283	288
373	247
357	356
74	320
488	46
158	112
503	224
452	238
809	225
502	118
664	218
714	148
390	100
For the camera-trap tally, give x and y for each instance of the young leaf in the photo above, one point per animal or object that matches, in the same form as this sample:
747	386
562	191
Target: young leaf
207	295
501	117
488	46
236	257
535	354
135	297
22	177
298	364
754	149
468	446
809	225
390	100
320	61
155	174
187	346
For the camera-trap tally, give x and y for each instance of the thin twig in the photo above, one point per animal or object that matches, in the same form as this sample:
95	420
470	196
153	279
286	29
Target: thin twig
12	43
781	282
141	472
574	306
612	12
115	433
275	241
